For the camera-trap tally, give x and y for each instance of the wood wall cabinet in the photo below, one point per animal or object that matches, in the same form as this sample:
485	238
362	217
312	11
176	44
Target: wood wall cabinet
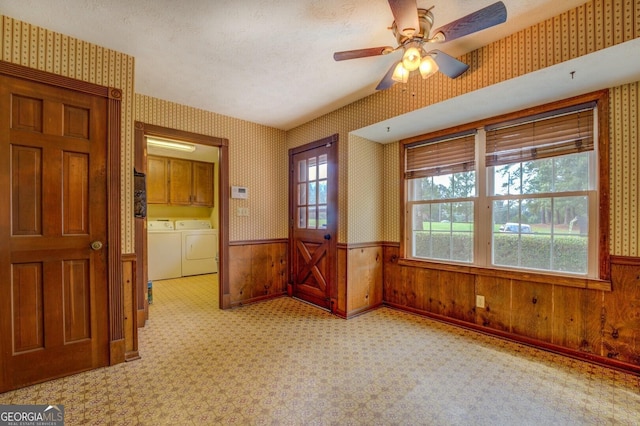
179	182
157	178
202	185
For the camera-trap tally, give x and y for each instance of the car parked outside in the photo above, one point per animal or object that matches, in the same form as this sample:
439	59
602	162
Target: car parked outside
516	227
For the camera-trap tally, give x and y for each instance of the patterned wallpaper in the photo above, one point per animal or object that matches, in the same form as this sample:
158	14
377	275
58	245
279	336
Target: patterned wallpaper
25	44
258	155
366	201
391	189
258	159
625	177
593	26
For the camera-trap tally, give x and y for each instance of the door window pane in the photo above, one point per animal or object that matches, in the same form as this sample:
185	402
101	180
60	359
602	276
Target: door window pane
322	167
312	222
322	192
312	193
312	169
302	217
322	217
302	171
302	194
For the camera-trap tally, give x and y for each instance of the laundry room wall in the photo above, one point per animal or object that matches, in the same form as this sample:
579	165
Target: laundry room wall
258	160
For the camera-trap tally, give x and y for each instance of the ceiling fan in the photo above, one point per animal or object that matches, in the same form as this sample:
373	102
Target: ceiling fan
412	30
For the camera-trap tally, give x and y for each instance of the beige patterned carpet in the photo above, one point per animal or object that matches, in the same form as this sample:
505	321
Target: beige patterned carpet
285	362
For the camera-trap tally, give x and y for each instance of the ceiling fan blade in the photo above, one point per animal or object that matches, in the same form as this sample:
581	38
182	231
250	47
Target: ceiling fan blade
448	65
479	20
386	81
405	14
362	53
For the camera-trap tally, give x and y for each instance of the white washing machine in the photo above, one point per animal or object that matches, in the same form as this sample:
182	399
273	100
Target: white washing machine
199	247
164	250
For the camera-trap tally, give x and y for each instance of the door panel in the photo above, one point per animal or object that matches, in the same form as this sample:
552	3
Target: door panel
26	180
313	211
28	318
53	303
77	301
75	193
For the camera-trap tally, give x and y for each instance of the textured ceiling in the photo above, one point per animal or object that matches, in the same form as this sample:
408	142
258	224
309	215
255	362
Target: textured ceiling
268	61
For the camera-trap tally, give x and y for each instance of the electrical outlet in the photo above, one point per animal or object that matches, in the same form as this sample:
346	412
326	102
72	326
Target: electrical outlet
479	301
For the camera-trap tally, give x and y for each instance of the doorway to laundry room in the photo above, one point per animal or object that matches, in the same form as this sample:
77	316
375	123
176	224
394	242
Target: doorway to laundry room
180	203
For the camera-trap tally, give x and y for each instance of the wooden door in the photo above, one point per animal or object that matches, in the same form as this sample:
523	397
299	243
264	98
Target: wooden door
313	200
157	180
180	181
53	232
202	184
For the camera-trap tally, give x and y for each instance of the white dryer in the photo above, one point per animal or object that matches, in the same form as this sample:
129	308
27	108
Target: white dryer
164	250
199	247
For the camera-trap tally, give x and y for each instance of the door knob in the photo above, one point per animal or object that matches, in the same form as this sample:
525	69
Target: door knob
96	245
327	236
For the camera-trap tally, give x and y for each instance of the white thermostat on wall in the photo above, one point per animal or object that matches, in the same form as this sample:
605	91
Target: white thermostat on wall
239	192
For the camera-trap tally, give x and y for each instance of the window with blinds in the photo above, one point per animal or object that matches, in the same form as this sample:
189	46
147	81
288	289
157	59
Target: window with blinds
522	193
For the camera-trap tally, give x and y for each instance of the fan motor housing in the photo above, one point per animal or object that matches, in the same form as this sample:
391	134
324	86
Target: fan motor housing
425	18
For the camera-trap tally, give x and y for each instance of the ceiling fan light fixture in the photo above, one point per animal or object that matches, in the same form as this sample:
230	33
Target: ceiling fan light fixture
411	35
400	74
411	58
428	66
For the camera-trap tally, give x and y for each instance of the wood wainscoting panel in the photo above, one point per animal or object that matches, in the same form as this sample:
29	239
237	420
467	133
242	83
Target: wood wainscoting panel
340	306
414	290
531	310
364	279
391	274
269	271
257	270
620	326
239	273
129	280
576	319
457	294
598	325
496	313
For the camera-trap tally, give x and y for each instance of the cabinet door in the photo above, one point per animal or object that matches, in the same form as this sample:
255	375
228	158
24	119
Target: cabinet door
157	180
202	184
180	182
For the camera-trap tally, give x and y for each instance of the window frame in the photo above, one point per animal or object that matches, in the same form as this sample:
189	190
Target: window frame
601	98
